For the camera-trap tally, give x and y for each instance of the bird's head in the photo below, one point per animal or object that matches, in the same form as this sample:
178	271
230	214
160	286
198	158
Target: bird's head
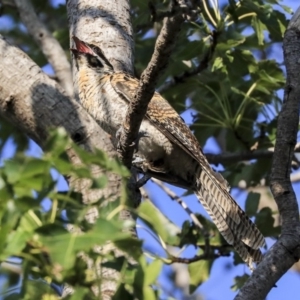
91	57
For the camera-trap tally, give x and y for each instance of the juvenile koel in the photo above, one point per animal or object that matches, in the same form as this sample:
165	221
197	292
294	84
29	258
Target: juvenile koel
166	148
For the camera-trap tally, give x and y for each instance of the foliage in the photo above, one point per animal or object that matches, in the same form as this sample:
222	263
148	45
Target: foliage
235	99
37	233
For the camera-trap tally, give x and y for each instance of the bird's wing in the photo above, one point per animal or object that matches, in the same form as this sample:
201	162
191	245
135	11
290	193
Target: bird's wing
211	191
162	115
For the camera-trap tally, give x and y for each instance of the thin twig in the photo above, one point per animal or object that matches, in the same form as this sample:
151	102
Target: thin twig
197	223
201	67
204	256
208	249
240	156
175	197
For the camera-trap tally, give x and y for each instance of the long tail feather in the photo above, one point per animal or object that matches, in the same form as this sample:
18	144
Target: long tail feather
237	229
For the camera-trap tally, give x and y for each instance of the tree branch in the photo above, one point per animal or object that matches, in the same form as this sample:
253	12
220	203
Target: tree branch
7	3
205	256
112	30
48	44
34	103
138	107
286	250
240	156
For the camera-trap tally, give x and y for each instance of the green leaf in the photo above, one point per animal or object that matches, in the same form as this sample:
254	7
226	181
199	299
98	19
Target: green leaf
122	293
258	27
35	167
265	223
38	289
239	281
5	194
99	183
230	43
199	272
218	64
56	238
252	174
189	50
139	278
287	9
130	245
12	169
16	242
80	293
62	165
152	271
56	143
101	159
252	203
157	221
148	293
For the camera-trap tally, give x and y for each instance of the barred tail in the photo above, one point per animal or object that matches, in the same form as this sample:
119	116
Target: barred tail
237	229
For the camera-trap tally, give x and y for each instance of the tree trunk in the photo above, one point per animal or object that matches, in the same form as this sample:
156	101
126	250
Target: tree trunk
108	25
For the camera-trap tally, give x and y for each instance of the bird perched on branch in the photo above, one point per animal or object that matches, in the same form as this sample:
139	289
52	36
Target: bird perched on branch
166	148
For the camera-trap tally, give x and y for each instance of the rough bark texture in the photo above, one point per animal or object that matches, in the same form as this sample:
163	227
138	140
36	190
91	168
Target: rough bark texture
286	251
34	103
105	23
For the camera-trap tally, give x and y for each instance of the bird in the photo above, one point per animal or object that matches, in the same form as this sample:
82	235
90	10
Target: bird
166	148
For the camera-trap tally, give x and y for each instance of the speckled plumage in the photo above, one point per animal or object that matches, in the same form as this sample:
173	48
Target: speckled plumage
166	146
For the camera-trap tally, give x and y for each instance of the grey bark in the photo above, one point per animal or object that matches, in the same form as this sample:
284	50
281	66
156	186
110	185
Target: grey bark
286	250
108	25
48	44
105	23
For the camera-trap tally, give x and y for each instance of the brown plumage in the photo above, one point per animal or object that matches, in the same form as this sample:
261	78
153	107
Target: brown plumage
167	149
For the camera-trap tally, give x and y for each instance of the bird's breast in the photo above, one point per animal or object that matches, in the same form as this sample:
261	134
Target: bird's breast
109	109
100	99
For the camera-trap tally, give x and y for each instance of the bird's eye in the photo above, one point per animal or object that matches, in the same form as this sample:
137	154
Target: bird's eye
94	62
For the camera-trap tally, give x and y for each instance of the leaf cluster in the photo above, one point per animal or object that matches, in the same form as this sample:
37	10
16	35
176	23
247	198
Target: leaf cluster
224	76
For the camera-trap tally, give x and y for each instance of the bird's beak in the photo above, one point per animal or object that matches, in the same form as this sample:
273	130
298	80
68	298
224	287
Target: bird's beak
81	47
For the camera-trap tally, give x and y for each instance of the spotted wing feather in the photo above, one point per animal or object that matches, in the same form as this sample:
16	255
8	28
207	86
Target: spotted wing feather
227	215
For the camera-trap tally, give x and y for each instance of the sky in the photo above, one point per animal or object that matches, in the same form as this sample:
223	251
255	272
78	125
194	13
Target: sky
223	272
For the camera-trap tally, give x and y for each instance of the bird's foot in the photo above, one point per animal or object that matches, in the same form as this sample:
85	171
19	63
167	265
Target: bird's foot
137	160
140	163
